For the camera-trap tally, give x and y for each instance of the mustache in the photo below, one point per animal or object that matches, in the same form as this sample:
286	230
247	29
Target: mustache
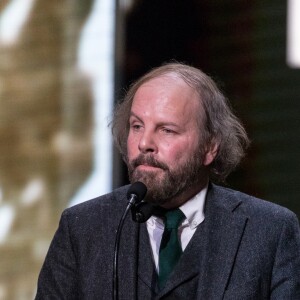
148	160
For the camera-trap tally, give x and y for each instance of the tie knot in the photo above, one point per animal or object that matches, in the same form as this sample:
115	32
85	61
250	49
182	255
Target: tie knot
173	218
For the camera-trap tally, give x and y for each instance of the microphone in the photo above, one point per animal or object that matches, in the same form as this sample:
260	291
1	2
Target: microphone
135	194
141	211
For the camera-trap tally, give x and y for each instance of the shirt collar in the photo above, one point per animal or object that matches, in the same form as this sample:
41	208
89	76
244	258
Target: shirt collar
193	209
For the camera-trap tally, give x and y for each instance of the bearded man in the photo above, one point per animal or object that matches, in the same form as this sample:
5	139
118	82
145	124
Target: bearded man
177	135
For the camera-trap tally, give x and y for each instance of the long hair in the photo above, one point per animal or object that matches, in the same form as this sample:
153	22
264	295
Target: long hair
220	126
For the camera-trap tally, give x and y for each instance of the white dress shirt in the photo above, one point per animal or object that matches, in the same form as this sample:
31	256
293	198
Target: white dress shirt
194	212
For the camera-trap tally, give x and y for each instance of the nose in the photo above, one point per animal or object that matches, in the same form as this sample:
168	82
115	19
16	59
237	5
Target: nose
147	143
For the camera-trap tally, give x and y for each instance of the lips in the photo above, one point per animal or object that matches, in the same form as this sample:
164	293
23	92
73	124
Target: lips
147	163
147	167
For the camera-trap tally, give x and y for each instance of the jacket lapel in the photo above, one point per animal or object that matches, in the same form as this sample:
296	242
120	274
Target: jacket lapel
223	233
211	252
128	258
146	268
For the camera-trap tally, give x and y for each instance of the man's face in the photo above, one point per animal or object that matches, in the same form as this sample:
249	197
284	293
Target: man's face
163	146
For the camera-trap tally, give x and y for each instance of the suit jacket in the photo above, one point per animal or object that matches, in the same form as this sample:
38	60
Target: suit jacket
246	248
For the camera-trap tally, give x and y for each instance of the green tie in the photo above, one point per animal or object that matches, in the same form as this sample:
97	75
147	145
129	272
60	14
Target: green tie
170	249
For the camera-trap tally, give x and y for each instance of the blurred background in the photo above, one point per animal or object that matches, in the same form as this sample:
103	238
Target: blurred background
65	63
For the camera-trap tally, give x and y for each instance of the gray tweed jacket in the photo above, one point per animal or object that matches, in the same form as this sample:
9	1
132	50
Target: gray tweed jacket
245	249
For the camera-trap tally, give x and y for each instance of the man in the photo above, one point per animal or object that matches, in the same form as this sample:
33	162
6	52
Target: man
177	135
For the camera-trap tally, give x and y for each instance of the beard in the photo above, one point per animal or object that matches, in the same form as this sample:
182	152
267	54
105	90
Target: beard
163	188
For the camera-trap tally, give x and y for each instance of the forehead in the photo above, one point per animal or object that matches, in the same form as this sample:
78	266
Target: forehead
168	92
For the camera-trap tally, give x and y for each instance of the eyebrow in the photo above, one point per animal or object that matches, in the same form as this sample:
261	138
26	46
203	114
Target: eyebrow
162	123
132	114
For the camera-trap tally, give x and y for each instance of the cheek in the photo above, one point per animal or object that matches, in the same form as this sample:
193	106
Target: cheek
174	153
183	152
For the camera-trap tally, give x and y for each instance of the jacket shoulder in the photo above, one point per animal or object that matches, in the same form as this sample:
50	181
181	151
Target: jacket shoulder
106	206
249	205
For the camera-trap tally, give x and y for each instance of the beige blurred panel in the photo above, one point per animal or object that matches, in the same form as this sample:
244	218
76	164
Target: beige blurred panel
45	136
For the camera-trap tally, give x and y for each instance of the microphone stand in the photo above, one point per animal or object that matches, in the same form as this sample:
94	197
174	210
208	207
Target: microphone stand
136	193
140	214
116	254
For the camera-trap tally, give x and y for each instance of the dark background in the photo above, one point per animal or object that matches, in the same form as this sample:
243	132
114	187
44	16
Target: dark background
242	45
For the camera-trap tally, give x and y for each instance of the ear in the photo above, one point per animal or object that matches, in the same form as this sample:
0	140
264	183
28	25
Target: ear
211	153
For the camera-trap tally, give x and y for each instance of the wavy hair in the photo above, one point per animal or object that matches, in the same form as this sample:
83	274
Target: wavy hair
220	126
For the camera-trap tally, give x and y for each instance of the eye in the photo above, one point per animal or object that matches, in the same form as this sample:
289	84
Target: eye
135	126
168	130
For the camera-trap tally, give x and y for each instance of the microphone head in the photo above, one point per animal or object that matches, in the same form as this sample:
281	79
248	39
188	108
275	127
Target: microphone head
138	189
